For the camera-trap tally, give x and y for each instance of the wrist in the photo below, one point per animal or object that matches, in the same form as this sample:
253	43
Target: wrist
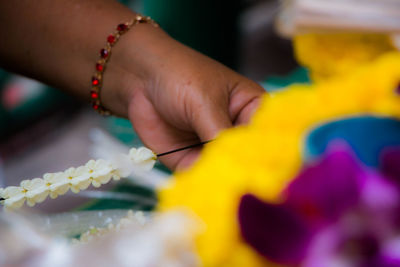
132	66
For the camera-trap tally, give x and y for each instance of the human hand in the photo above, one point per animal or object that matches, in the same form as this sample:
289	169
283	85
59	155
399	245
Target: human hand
173	95
178	97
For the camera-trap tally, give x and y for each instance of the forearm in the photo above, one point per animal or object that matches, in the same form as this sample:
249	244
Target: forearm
173	95
58	42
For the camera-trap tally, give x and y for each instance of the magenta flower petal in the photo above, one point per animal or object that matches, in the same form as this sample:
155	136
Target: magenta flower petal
324	191
335	212
382	262
390	164
380	196
390	254
274	231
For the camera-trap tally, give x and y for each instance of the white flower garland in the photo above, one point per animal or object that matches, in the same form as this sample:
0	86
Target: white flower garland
95	172
93	233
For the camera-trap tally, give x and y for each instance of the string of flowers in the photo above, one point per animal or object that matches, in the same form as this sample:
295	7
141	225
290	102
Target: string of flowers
93	233
94	172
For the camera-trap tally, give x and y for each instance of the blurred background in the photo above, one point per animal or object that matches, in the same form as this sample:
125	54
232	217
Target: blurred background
44	130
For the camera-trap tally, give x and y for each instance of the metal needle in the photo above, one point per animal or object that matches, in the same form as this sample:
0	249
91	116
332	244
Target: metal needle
182	148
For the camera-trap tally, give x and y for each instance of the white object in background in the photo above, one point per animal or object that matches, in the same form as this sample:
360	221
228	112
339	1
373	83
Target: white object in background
165	239
303	16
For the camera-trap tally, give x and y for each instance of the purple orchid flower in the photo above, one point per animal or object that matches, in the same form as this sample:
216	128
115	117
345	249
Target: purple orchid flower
335	213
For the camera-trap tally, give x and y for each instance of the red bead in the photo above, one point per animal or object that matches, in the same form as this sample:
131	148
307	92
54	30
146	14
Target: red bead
95	81
99	67
94	94
104	53
122	27
111	39
95	106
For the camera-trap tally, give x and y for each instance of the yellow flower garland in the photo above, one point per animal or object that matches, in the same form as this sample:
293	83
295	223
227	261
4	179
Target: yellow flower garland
262	157
328	55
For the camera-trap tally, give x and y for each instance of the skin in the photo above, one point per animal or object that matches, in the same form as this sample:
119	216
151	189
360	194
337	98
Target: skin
173	95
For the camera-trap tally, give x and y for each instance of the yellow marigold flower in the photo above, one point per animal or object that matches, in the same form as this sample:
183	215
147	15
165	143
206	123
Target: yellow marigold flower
328	55
262	158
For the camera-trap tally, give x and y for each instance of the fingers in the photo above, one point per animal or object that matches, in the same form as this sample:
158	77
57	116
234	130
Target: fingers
187	159
244	101
209	119
247	111
221	112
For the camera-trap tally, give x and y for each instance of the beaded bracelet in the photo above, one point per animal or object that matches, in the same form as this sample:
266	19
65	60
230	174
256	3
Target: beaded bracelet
105	54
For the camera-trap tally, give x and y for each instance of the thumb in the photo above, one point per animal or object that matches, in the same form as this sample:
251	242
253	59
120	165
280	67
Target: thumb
209	120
